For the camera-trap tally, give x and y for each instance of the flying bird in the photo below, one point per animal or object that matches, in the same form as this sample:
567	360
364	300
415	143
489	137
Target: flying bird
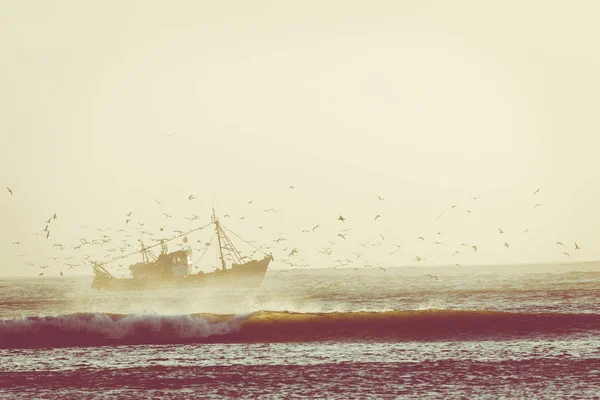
129	215
9	190
506	244
291	187
432	276
422	238
380	198
377	216
474	248
577	247
250	202
47	234
16	242
559	244
538	189
54	216
474	198
340	218
567	254
382	237
526	230
500	230
454	206
191	197
456	252
342	236
537	205
315	227
418	258
293	252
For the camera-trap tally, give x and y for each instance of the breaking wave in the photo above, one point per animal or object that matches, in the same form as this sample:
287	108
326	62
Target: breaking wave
97	329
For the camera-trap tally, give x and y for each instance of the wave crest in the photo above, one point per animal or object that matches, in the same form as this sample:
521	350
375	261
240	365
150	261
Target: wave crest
96	329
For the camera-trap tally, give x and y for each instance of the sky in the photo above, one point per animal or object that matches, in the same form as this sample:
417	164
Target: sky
108	106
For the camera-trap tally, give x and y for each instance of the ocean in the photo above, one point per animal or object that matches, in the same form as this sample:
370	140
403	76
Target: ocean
470	332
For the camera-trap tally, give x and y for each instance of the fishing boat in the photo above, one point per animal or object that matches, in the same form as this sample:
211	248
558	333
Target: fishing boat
173	270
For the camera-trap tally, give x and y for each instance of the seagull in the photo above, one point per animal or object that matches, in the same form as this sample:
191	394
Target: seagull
474	198
439	216
250	202
474	248
506	244
260	227
380	198
500	230
537	205
315	227
291	187
40	274
16	242
127	221
293	252
397	246
340	218
456	252
454	206
54	216
422	238
382	237
567	254
377	216
538	189
49	220
383	269
559	244
191	197
158	202
342	236
9	190
129	215
526	230
577	247
167	215
432	276
47	234
418	258
226	216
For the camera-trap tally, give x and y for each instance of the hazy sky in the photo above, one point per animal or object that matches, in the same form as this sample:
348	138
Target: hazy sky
425	103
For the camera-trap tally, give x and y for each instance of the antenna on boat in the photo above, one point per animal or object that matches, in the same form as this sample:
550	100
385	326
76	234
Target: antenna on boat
218	229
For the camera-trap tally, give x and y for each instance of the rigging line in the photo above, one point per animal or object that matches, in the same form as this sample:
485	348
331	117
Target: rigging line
236	254
244	240
206	249
155	245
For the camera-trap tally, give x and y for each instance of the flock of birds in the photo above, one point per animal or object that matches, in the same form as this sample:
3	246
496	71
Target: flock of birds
123	242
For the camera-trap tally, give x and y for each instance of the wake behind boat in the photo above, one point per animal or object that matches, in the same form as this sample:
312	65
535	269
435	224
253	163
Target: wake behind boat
174	269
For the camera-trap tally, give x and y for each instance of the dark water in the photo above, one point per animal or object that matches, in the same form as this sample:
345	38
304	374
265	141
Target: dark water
477	332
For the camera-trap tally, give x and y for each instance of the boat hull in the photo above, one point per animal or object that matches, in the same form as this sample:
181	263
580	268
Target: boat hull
249	275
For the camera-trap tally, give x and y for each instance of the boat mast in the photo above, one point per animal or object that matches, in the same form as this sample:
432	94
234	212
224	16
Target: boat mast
218	228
